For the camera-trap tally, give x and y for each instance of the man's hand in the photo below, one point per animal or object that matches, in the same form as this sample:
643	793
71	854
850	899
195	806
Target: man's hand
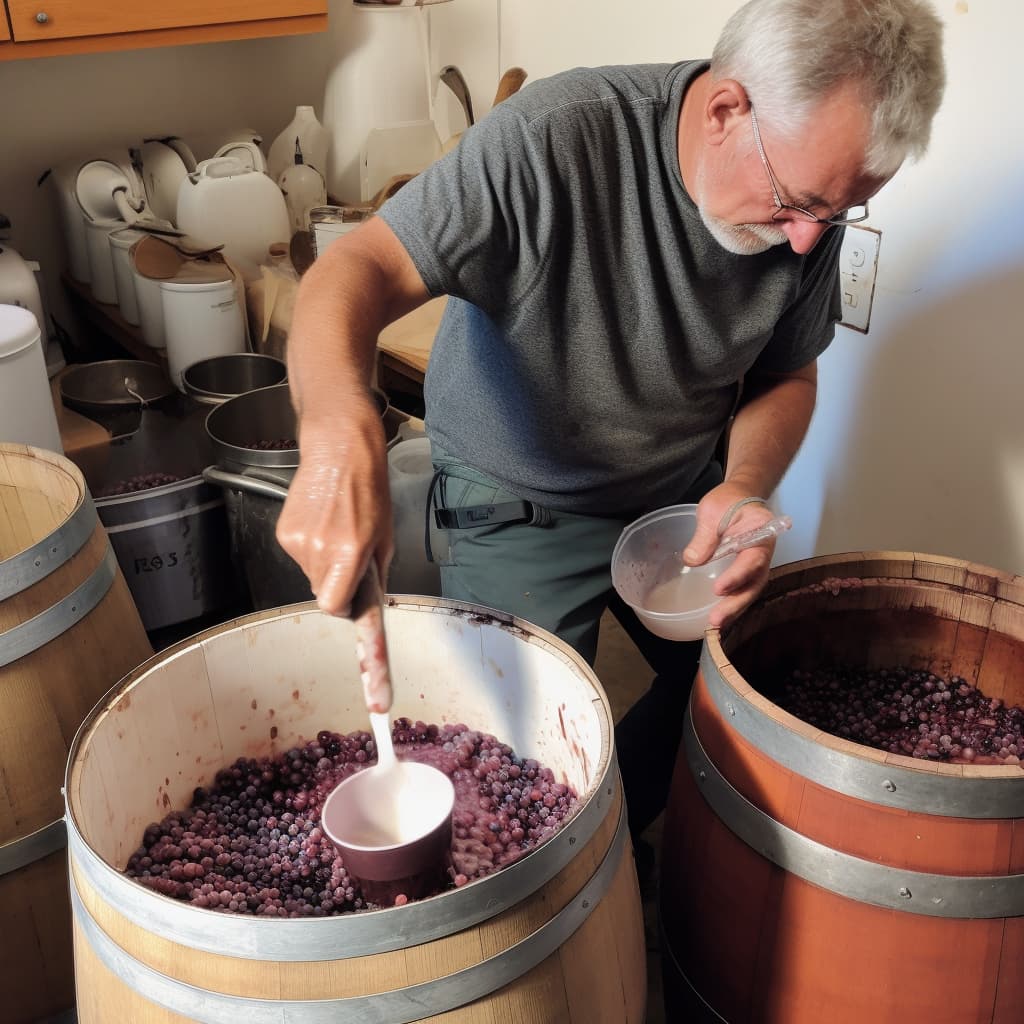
747	575
338	512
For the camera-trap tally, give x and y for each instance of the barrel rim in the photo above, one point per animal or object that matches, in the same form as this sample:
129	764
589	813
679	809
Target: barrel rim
943	572
923	567
411	1003
372	931
23	568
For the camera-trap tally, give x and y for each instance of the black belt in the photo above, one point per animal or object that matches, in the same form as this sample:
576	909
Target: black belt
469	516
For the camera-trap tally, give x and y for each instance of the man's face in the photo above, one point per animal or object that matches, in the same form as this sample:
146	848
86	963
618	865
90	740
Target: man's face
820	173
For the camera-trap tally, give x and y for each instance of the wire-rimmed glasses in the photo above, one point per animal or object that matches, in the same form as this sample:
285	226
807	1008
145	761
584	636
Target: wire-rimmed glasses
854	215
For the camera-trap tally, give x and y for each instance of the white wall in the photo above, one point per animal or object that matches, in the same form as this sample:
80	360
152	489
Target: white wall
917	441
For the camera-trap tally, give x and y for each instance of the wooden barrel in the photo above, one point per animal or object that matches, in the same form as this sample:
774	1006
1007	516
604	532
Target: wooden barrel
68	631
813	878
555	937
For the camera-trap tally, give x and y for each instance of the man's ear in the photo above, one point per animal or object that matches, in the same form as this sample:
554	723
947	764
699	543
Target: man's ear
727	108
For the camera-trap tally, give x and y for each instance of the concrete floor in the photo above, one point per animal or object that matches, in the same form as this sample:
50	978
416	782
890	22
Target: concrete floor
625	675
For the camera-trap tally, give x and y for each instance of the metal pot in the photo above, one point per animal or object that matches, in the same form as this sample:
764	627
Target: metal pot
172	544
215	380
255	483
115	391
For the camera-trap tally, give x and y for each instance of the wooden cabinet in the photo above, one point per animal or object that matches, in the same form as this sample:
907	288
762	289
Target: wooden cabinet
40	28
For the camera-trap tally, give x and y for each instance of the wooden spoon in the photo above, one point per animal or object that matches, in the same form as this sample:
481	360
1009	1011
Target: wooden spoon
511	82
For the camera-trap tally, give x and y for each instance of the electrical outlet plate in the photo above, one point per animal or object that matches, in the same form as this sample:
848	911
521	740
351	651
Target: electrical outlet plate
858	266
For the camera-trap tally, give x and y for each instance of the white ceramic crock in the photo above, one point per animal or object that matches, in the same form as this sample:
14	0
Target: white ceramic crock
202	318
101	260
121	242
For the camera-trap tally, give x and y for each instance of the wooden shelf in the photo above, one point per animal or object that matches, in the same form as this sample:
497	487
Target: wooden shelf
108	320
403	348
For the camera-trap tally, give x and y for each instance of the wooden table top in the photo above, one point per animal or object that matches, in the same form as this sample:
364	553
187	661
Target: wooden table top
76	431
410	339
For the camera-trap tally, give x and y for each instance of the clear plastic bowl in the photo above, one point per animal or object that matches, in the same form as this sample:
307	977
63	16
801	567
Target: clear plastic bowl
648	574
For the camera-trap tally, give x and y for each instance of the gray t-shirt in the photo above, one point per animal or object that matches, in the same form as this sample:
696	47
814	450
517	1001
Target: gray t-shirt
590	356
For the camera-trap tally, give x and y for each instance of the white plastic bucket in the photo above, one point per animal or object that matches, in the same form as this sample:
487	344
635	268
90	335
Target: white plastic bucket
201	319
101	259
27	415
121	243
151	307
64	178
18	285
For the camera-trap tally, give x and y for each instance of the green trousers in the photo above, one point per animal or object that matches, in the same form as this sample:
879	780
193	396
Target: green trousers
555	572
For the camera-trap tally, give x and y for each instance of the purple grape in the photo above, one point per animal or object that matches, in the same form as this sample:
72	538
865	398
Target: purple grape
252	843
907	711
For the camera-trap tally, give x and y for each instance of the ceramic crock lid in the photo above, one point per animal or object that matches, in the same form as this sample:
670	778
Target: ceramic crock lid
18	329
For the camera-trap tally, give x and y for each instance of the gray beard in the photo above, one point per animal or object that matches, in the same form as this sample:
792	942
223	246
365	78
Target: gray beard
743	239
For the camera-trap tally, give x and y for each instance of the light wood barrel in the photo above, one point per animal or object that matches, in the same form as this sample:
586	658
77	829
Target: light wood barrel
68	631
555	937
810	878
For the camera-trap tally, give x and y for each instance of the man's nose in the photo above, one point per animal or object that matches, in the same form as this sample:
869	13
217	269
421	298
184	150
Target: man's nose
804	235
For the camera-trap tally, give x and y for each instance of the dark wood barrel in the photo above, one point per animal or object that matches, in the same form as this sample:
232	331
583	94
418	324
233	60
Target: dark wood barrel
68	631
810	878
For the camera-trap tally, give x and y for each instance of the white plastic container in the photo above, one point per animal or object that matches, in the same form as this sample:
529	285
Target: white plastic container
151	306
98	183
166	162
410	471
64	180
313	140
381	76
225	203
303	188
121	242
101	259
18	284
670	599
202	318
27	415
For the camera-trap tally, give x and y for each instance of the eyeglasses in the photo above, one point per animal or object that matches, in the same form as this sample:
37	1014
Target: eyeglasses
854	215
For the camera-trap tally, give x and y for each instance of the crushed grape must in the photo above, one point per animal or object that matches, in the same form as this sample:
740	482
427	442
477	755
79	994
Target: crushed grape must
252	842
908	711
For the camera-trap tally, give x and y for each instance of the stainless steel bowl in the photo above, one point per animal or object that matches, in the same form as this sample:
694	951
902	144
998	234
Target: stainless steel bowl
215	380
262	415
115	391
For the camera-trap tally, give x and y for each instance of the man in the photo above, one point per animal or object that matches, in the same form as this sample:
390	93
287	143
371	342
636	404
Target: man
637	257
